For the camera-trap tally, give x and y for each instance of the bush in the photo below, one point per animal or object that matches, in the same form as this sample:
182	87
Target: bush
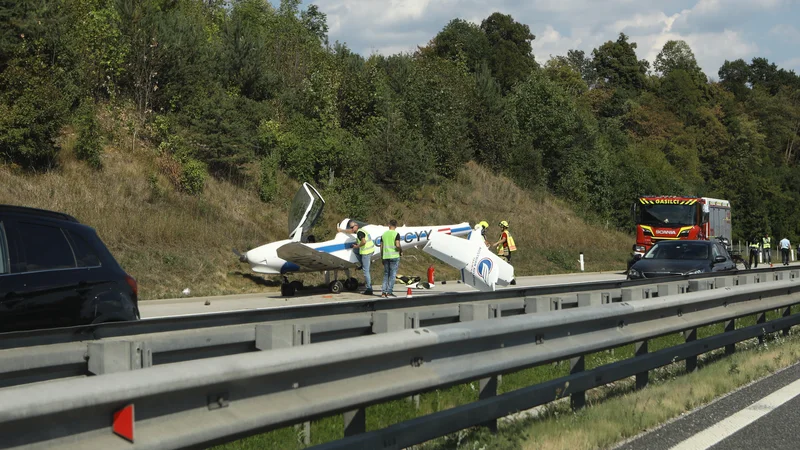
32	110
268	182
193	176
88	147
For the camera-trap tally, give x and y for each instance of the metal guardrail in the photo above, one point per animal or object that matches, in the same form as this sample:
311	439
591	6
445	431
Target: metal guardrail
214	400
25	365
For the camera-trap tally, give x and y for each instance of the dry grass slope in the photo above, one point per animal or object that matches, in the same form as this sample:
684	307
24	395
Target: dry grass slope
170	241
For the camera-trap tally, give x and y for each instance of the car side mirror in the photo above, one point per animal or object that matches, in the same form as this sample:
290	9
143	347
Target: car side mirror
720	259
637	257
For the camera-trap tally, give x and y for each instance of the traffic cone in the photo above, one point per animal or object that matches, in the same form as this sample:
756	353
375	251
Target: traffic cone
408	292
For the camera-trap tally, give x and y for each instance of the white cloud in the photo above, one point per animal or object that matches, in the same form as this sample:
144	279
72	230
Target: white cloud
786	33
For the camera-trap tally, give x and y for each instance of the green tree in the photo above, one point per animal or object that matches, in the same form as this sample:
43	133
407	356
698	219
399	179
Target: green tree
616	64
511	56
460	37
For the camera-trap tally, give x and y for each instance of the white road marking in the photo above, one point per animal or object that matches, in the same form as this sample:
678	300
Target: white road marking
716	433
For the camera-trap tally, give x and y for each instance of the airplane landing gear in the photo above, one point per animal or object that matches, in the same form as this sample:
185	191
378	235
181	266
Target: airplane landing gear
289	289
351	284
336	286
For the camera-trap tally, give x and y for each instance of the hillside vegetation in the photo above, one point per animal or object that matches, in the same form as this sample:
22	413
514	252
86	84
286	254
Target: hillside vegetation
195	120
170	240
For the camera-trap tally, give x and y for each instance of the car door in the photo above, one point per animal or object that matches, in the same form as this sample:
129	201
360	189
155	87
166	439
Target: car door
718	250
41	288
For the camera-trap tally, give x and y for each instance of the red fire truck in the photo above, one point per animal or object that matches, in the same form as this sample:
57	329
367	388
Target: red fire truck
659	218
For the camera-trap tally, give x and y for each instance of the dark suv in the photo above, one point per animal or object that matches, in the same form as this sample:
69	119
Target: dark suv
56	272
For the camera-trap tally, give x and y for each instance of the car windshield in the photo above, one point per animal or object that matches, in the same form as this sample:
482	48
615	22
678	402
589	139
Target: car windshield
678	250
661	214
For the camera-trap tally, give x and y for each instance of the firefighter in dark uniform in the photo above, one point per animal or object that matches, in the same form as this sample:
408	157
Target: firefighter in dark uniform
754	246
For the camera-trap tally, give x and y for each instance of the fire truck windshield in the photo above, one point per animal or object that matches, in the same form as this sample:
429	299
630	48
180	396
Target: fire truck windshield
667	215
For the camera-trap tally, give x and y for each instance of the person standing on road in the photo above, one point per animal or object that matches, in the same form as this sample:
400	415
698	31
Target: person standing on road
352	228
505	245
390	254
365	248
785	245
754	253
484	225
766	244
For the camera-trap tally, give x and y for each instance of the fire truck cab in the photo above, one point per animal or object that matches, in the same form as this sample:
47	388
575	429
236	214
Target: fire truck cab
659	218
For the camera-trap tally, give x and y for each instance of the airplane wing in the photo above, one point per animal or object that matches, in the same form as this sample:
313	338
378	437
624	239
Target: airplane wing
310	259
480	268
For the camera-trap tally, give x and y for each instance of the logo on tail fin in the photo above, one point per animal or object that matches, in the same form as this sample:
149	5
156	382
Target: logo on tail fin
484	268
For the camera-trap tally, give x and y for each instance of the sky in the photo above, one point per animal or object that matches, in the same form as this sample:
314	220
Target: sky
716	30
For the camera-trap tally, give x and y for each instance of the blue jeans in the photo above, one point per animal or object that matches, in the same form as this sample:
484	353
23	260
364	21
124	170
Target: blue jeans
389	272
365	263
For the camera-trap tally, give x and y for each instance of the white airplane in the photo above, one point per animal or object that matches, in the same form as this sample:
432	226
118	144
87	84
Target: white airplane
480	267
301	253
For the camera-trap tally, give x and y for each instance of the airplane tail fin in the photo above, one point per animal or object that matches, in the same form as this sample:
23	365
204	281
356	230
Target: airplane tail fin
480	268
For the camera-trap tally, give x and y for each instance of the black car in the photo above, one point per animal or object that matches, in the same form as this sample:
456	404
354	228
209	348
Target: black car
55	272
670	258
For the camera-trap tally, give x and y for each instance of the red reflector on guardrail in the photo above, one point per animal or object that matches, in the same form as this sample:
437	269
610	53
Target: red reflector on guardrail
123	422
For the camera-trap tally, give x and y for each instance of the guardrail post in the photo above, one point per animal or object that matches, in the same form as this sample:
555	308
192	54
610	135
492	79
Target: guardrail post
665	290
388	321
700	285
691	361
786	313
761	318
589	299
723	282
730	326
777	276
274	336
488	386
642	378
118	356
576	365
794	274
412	322
537	304
745	279
629	294
606	298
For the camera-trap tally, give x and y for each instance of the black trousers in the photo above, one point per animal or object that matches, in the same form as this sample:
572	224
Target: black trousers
785	254
754	257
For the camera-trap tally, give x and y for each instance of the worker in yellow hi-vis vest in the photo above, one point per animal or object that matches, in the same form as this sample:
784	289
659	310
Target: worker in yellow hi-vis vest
506	244
766	245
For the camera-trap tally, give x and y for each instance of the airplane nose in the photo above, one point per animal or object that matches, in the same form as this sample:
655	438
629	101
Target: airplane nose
243	257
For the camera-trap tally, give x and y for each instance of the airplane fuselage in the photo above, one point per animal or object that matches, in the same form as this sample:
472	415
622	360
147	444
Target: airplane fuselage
265	260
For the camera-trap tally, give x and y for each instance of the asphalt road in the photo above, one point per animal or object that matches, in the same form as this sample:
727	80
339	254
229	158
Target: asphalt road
762	415
197	305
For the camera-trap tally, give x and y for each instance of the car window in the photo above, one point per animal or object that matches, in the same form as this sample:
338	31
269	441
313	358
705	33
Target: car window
84	255
4	262
42	247
716	251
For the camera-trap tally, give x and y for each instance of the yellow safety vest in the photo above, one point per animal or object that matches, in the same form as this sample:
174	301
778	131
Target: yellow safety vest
389	249
767	242
369	247
512	247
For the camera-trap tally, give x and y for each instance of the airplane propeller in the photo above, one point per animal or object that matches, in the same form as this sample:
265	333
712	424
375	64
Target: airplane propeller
242	257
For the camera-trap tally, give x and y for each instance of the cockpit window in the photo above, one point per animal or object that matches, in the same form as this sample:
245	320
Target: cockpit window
306	208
